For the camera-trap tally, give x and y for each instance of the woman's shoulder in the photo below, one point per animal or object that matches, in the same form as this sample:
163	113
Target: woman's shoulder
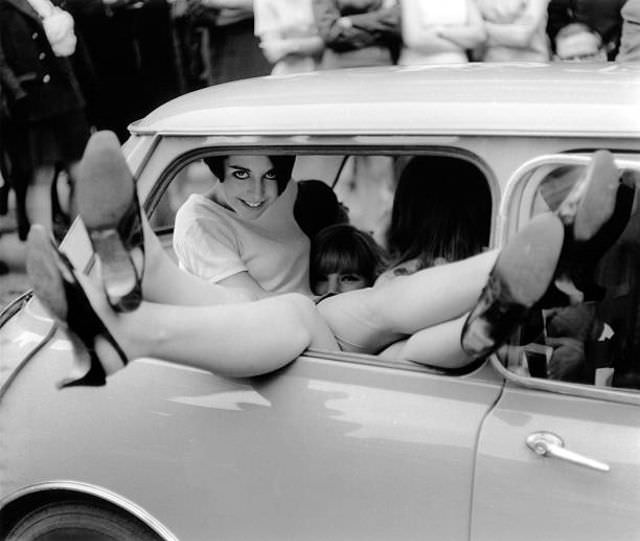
199	209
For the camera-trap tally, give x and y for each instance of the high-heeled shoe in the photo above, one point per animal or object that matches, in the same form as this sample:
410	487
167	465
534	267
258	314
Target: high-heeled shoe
567	245
56	286
109	207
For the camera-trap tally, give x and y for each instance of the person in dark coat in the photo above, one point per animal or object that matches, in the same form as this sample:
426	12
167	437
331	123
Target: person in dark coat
48	126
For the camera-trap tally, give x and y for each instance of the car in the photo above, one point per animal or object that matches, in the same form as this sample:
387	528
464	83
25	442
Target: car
341	445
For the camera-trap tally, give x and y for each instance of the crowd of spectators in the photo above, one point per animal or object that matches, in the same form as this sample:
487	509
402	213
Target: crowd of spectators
67	66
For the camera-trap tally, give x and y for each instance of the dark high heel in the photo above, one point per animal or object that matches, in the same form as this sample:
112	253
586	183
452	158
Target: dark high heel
522	274
55	284
525	271
109	207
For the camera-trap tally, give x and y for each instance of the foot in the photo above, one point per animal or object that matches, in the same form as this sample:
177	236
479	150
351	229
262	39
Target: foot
595	214
522	274
108	205
58	288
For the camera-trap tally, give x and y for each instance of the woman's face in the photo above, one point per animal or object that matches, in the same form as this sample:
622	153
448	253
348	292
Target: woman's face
250	185
337	282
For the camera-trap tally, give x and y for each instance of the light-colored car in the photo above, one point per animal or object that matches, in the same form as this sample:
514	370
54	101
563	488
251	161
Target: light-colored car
338	445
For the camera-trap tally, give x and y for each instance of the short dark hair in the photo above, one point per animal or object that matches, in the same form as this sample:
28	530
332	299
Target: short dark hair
317	207
283	166
344	248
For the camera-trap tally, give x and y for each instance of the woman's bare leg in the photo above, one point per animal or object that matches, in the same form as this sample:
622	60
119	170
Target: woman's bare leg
437	346
238	340
369	319
242	339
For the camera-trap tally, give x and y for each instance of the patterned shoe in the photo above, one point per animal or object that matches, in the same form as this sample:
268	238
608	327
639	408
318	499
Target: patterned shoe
523	272
56	286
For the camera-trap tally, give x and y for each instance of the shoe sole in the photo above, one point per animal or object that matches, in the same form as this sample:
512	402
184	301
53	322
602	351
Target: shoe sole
525	269
602	180
106	179
528	263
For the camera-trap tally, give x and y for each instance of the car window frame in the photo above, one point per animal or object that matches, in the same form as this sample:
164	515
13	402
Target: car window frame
515	210
383	145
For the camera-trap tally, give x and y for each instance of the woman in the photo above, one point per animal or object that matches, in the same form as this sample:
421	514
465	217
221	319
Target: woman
358	32
343	258
516	30
240	338
439	32
242	233
48	123
288	35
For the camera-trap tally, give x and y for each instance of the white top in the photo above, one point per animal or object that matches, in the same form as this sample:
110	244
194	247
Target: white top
421	45
214	243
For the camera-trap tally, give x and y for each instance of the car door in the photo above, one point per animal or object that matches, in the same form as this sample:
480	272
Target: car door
560	458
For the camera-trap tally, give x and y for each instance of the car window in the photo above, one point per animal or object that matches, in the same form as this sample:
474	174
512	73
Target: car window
365	184
596	339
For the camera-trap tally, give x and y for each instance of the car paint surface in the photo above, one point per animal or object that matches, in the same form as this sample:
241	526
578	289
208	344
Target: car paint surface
338	446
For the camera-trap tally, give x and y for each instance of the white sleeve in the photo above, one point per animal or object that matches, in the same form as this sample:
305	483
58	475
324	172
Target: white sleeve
207	248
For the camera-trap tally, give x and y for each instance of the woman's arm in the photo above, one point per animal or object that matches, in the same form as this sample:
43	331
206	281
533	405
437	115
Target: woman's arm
355	31
520	32
467	36
231	4
246	284
420	37
275	48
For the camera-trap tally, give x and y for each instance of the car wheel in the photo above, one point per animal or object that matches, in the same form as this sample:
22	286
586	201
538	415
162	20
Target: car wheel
72	520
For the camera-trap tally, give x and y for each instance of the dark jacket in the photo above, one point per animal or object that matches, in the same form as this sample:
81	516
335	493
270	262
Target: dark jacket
371	23
38	84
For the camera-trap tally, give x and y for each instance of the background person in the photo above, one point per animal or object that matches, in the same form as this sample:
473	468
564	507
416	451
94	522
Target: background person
48	122
630	38
440	32
576	42
288	35
601	16
516	30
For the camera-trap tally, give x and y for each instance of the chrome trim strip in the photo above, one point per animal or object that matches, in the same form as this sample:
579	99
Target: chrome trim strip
518	179
14	373
98	492
609	394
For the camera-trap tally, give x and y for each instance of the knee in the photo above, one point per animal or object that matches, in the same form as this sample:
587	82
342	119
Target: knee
301	317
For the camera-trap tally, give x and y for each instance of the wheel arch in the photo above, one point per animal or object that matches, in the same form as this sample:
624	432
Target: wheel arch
23	501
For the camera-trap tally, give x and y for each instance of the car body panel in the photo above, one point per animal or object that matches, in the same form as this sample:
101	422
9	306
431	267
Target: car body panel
477	98
550	498
340	443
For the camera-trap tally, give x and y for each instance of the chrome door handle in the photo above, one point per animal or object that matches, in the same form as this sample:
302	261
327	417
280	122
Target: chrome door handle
549	444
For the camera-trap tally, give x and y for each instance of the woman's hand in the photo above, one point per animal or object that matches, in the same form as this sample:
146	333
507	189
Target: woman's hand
275	49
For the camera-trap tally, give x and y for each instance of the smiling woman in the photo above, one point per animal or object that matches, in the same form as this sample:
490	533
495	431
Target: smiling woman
242	233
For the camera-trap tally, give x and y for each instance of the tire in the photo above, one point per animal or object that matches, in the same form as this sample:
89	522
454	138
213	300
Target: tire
74	520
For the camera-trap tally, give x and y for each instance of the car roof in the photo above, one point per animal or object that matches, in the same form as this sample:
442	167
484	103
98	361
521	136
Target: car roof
529	99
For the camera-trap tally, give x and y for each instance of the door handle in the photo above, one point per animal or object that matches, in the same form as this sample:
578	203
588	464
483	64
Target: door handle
549	444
